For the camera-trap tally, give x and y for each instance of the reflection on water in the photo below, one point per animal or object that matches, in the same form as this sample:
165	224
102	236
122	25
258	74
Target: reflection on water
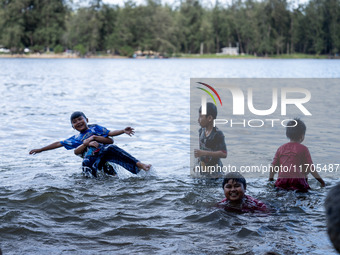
48	207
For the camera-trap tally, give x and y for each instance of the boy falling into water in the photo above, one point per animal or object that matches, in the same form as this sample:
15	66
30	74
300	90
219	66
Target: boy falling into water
95	146
211	141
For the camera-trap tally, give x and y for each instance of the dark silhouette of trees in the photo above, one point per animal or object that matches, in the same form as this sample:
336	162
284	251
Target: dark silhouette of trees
268	27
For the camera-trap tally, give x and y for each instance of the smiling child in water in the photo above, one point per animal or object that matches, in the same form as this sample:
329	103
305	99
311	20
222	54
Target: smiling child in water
234	187
94	145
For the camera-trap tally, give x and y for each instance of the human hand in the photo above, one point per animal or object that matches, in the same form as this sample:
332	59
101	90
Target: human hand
87	141
35	151
129	131
94	144
198	153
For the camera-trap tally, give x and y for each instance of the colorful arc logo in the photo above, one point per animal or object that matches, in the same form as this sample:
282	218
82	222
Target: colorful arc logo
209	93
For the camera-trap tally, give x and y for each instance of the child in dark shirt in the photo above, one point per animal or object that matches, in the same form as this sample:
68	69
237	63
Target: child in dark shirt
211	140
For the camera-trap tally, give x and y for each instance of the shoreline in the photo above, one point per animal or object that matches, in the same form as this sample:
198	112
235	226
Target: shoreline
182	56
57	56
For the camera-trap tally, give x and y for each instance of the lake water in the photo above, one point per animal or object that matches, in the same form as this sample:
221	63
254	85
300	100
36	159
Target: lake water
49	207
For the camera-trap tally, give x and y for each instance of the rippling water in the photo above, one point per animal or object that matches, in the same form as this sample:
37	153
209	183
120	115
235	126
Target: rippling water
48	207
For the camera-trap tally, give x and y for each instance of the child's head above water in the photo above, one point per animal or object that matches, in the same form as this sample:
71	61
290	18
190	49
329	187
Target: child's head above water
234	186
211	110
79	121
208	119
76	115
296	133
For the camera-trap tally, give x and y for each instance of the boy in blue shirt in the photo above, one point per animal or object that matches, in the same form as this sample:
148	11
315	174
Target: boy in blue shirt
95	146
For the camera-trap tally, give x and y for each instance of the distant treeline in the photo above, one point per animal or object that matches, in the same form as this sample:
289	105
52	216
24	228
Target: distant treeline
263	28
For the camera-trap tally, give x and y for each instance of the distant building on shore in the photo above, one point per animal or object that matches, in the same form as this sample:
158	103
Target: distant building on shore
147	54
233	51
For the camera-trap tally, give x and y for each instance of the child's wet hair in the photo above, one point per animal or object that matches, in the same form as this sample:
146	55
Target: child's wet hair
237	177
211	110
295	133
76	115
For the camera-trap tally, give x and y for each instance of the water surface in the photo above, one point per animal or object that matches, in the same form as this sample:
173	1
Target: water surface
49	207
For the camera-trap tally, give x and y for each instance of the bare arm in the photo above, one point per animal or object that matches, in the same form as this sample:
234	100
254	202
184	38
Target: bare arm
51	146
81	148
214	154
128	130
102	139
271	173
93	142
316	176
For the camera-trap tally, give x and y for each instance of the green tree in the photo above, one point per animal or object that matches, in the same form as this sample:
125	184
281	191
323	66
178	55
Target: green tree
158	28
123	33
51	22
244	24
331	26
26	23
188	24
262	27
85	27
314	32
12	25
279	23
206	33
221	20
80	49
297	30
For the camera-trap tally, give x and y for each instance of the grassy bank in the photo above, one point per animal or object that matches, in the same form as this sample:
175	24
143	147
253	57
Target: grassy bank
245	56
193	56
300	56
56	56
189	56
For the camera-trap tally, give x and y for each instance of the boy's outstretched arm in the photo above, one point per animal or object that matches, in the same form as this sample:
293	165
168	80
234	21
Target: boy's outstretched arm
128	130
46	148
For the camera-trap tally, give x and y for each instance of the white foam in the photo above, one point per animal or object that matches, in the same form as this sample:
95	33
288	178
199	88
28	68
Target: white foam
151	173
122	173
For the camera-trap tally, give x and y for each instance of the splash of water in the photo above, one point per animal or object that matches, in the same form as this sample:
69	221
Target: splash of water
121	172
